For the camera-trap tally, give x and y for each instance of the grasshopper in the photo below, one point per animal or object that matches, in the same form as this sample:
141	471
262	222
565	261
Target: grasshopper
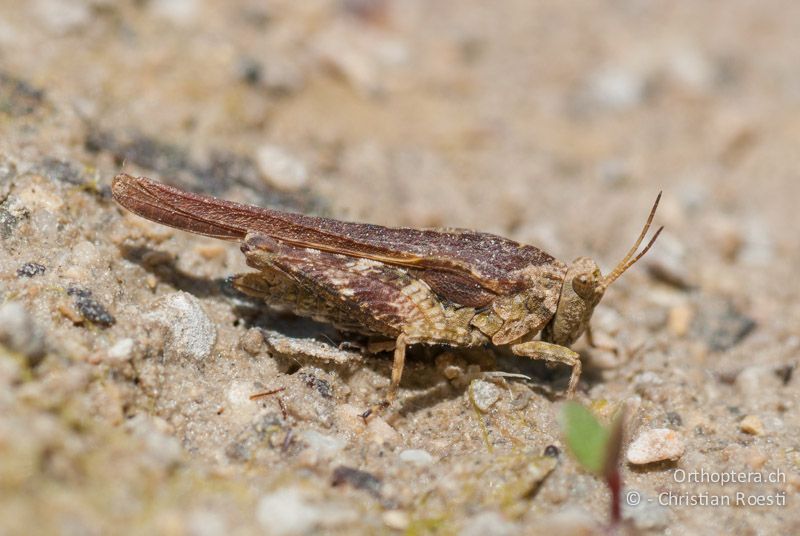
414	286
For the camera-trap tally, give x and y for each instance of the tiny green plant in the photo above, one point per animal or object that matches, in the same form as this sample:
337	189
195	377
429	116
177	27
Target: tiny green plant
597	448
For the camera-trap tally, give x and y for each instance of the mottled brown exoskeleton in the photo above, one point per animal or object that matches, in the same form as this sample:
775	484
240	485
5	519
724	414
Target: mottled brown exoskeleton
433	286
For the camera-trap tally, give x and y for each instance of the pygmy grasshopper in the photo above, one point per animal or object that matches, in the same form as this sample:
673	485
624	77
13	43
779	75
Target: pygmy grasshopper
433	286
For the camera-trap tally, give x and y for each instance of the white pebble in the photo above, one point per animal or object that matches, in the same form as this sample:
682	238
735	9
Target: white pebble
206	523
179	12
381	433
281	169
324	445
753	381
163	448
63	16
484	394
396	519
691	68
190	334
239	396
656	445
416	456
286	512
121	351
618	88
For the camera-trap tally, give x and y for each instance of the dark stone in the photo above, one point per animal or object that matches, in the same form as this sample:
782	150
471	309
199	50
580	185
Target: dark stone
61	170
323	386
89	308
674	419
250	71
720	324
8	222
785	373
31	269
358	479
17	97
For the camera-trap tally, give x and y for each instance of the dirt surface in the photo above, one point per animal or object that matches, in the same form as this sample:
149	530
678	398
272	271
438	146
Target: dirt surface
128	364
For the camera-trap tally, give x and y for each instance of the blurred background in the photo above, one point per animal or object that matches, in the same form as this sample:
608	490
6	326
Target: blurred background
504	116
554	123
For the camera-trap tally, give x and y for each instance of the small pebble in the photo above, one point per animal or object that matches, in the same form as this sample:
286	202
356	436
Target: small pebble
210	251
20	334
450	365
323	387
753	381
756	460
162	447
62	17
617	88
674	418
190	334
380	432
680	319
121	351
759	248
395	519
278	75
238	396
656	445
416	456
484	394
356	478
727	237
692	69
348	419
752	425
286	512
202	522
31	269
89	308
7	223
281	169
325	446
252	341
360	57
668	264
181	12
280	344
720	324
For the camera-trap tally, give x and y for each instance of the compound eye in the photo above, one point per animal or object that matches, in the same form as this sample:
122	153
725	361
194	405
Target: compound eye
583	285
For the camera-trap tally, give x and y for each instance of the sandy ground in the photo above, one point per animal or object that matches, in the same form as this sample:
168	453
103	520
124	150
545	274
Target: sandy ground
127	361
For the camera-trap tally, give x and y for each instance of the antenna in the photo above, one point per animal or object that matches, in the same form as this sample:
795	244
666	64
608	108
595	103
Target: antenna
627	262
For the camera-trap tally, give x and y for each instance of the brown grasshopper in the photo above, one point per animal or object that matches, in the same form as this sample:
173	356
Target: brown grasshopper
433	286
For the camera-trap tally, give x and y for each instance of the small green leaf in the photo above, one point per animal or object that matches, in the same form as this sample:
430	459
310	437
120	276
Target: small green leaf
586	437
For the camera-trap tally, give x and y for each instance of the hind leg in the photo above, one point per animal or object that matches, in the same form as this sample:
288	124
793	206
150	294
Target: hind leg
397	374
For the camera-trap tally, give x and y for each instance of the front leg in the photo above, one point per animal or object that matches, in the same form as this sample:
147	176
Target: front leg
552	352
598	346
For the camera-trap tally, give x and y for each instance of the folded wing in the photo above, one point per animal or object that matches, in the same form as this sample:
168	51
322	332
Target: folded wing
455	259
